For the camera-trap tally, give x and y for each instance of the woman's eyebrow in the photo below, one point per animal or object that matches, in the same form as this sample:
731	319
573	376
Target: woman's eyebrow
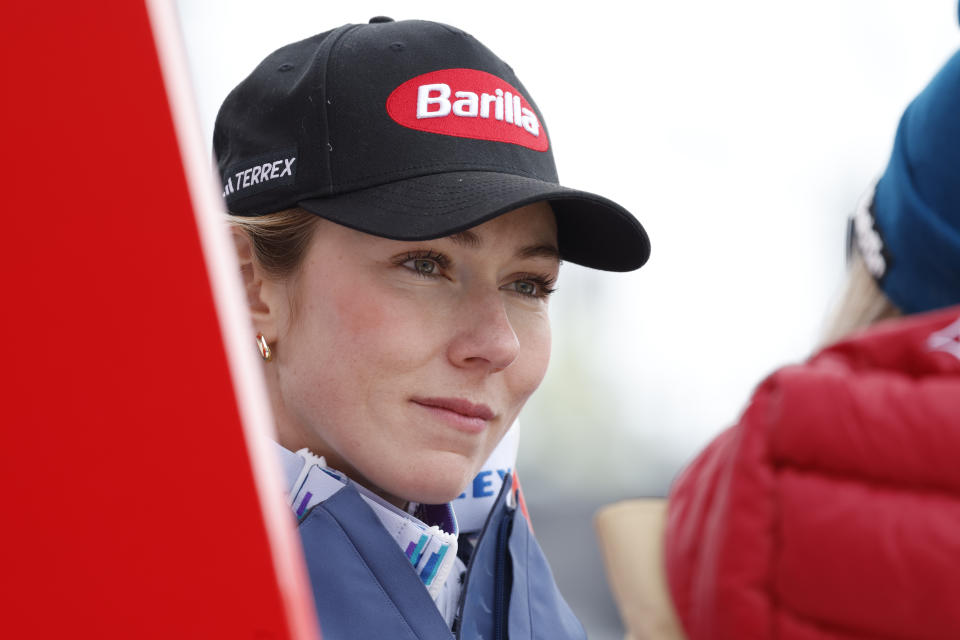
472	240
467	239
540	251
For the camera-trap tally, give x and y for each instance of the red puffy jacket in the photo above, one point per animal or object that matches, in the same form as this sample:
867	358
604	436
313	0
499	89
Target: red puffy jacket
832	510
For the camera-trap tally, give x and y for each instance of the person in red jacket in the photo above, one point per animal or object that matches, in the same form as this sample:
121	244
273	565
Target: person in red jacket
831	511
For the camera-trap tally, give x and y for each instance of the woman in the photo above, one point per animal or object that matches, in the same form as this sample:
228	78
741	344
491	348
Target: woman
831	510
400	229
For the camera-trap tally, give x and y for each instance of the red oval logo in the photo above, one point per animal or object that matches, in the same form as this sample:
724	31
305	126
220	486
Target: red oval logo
467	103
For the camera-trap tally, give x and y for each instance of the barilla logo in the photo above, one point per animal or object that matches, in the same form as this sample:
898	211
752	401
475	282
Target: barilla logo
467	103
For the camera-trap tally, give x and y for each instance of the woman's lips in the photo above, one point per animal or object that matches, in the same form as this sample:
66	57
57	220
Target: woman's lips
459	413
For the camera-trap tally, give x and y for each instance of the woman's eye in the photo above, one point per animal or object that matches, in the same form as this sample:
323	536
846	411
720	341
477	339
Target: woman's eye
524	287
424	267
539	287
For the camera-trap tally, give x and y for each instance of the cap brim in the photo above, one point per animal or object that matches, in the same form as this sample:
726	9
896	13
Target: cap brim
592	231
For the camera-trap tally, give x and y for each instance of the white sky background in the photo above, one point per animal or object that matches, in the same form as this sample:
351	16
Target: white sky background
740	133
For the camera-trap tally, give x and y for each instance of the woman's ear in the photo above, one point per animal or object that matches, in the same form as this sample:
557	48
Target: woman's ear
261	292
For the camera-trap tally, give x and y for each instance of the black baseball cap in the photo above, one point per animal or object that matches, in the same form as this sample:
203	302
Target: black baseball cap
408	130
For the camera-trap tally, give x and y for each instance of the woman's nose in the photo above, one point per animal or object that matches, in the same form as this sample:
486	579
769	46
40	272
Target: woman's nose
485	338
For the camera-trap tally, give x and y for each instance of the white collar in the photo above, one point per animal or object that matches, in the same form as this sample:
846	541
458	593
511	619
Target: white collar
430	550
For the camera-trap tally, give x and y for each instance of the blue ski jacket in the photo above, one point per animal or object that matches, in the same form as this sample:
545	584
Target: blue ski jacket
364	586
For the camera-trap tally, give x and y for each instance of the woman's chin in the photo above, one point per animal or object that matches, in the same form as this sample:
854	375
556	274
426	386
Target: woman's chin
435	484
429	490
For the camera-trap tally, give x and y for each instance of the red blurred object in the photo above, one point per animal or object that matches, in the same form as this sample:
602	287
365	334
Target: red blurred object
832	510
521	500
131	508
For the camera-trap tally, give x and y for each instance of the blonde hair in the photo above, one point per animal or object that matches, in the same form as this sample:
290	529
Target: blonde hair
279	239
861	305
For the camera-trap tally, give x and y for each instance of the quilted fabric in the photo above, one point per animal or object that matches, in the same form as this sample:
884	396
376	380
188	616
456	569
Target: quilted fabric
832	509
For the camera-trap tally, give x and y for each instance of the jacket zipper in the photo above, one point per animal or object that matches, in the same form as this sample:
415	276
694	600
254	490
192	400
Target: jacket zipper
499	588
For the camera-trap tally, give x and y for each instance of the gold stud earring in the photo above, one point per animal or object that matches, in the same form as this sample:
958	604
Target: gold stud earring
264	348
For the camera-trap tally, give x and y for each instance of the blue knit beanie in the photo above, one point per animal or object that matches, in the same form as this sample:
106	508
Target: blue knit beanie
908	232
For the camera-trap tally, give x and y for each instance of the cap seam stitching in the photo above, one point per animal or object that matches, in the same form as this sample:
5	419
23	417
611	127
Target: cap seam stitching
334	47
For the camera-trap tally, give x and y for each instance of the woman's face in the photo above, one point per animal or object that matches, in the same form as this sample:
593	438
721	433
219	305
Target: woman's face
404	363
